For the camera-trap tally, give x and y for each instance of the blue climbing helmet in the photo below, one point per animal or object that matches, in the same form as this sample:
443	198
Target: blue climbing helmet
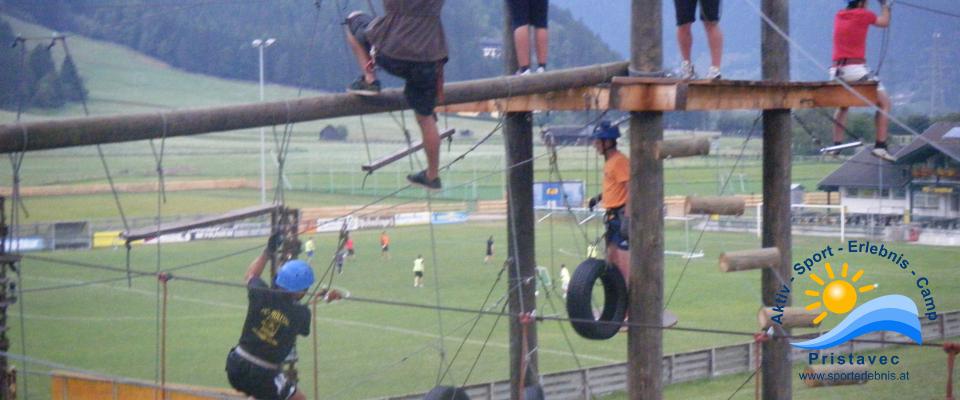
606	131
295	276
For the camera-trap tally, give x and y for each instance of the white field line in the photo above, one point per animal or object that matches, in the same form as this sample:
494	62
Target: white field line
336	321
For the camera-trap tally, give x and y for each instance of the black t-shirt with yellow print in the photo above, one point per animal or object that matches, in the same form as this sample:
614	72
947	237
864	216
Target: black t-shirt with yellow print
273	322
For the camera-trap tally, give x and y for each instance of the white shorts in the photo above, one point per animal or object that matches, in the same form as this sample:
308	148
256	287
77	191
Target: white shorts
855	73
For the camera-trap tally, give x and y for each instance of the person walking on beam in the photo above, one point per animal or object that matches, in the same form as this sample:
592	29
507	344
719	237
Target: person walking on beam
710	15
274	319
524	15
616	176
850	28
408	42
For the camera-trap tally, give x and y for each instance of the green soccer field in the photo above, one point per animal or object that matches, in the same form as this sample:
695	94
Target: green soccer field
368	350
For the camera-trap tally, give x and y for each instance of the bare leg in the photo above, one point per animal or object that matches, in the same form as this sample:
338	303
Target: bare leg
685	40
620	258
881	120
715	39
838	126
521	40
542	45
362	56
431	143
298	395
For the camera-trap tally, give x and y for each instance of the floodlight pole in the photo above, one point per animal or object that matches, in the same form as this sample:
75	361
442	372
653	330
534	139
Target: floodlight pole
775	363
260	44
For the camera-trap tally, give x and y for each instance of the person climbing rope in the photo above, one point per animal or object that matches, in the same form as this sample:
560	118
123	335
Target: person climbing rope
274	319
710	15
616	175
408	42
523	15
850	28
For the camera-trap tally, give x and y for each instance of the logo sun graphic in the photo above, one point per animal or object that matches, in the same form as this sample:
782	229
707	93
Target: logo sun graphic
839	296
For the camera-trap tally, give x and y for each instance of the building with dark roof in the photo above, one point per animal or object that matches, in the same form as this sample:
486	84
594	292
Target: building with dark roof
924	183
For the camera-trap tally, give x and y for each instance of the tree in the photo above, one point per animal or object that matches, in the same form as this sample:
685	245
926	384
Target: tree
48	92
71	82
9	68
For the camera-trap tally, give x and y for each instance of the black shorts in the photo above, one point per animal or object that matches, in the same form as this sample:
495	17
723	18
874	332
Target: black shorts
256	381
418	274
489	252
420	88
350	252
385	248
528	12
687	10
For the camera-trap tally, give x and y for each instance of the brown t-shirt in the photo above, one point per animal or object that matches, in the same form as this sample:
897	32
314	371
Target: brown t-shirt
411	30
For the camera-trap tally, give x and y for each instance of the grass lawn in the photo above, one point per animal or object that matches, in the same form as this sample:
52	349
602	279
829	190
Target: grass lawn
368	350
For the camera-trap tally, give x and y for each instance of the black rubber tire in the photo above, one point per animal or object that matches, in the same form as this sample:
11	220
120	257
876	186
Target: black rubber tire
447	393
580	294
533	392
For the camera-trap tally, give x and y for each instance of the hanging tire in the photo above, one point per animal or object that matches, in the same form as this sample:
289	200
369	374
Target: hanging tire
447	393
580	299
533	392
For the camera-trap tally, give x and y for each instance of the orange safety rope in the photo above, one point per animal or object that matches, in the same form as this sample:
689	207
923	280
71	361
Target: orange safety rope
163	277
951	349
758	339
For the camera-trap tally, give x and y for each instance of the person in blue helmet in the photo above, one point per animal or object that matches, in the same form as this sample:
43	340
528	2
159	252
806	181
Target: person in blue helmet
274	319
616	176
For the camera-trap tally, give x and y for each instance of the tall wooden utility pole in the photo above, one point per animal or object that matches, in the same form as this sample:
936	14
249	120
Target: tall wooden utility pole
518	138
645	344
776	195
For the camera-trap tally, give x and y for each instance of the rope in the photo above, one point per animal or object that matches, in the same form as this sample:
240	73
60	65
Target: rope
476	320
161	198
723	188
16	164
933	10
436	288
163	278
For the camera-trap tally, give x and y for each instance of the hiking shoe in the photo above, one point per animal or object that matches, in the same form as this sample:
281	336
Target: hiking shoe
686	71
883	154
364	88
420	178
714	73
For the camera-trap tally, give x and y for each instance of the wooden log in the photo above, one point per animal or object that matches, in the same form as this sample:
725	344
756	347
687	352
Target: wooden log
844	374
677	148
793	317
714	205
749	259
70	132
415	147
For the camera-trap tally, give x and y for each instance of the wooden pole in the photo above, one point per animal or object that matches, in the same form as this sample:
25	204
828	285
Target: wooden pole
790	317
518	139
5	299
645	344
776	198
744	260
69	132
714	205
683	148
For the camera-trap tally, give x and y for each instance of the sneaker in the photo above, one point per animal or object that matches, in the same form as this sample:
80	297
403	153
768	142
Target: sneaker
524	72
541	70
714	73
420	178
364	88
883	154
686	71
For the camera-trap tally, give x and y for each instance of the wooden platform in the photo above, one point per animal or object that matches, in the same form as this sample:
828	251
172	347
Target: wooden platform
243	213
660	94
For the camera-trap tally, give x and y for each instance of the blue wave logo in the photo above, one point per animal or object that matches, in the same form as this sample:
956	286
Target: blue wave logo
895	313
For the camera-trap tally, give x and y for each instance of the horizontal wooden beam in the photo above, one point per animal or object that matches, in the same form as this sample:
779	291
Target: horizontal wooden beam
715	205
415	147
744	260
792	317
163	229
660	94
59	133
677	148
657	94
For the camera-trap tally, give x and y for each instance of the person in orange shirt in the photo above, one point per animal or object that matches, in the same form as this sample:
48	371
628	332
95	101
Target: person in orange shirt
384	245
616	175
